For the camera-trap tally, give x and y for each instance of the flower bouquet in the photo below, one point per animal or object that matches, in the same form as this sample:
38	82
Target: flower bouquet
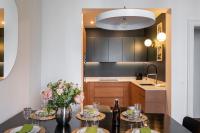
60	95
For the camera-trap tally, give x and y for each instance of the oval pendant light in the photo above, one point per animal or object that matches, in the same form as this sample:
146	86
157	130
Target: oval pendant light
125	19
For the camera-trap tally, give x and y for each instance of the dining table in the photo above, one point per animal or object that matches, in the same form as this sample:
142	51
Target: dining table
162	123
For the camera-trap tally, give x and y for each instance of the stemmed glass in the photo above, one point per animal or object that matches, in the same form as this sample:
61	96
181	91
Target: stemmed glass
137	110
27	112
135	126
96	105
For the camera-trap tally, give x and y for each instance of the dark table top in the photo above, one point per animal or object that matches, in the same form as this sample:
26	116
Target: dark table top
159	122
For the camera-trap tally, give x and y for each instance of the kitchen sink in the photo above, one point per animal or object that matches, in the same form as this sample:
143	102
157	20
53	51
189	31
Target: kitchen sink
147	84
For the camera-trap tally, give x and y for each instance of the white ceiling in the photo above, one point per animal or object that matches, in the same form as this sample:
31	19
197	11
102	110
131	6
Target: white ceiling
1	17
90	14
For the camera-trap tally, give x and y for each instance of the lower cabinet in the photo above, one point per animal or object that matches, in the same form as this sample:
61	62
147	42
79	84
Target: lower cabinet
106	92
137	95
152	101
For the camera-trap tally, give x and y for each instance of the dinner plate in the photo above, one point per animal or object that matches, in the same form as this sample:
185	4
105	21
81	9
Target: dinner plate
38	112
126	114
35	129
89	114
82	130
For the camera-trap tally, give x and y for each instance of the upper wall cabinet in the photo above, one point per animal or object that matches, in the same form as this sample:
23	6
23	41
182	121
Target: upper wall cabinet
115	49
140	50
97	49
90	49
128	49
101	50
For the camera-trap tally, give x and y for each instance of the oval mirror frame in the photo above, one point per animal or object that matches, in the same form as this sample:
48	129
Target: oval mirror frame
10	35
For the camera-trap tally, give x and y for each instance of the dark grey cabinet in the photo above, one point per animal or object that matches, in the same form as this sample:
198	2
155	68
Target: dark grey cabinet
90	56
128	49
140	50
101	50
115	49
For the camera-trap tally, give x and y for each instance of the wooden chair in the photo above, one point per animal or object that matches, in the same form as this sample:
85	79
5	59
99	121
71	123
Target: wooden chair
191	124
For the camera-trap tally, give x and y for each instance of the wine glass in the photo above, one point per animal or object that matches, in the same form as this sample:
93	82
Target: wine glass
134	127
137	110
96	105
27	112
36	121
95	122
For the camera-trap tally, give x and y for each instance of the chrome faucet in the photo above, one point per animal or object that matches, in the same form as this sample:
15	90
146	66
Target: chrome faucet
153	74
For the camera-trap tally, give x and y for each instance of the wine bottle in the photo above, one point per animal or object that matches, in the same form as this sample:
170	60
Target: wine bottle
116	114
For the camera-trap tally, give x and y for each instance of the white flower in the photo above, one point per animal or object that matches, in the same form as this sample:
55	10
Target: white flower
59	91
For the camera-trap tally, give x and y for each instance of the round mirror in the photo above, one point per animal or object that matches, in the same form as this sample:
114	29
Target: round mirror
8	36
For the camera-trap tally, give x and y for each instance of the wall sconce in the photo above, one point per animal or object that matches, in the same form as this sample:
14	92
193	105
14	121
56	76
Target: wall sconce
161	37
148	42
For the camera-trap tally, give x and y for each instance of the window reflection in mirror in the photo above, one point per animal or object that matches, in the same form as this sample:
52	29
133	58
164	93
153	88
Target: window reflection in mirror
2	22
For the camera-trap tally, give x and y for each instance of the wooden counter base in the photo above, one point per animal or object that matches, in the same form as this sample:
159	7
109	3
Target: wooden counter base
152	101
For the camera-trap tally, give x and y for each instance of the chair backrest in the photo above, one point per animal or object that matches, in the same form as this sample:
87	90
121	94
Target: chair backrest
191	124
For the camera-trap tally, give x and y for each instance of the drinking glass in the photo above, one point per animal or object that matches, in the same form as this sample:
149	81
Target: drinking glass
137	106
27	112
36	121
96	105
134	127
137	110
86	123
95	122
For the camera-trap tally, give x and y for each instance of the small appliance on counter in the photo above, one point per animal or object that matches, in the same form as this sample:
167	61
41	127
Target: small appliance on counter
139	76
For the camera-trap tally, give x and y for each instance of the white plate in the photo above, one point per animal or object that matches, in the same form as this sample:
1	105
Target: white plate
82	130
138	131
52	112
35	129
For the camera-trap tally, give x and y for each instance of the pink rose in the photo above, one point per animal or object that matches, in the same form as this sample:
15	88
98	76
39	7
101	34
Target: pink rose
79	98
47	94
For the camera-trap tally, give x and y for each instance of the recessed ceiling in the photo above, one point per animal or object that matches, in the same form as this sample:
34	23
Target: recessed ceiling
89	15
1	17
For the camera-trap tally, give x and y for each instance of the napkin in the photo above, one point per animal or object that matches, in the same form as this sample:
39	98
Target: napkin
26	128
145	130
91	129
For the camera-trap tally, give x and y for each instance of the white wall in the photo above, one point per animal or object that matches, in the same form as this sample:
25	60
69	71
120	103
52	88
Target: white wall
19	89
61	40
197	73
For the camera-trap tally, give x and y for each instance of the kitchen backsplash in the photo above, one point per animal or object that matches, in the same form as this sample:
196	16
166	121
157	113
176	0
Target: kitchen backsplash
119	69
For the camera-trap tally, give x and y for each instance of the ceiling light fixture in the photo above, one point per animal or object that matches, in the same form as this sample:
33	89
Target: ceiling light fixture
125	19
91	22
2	22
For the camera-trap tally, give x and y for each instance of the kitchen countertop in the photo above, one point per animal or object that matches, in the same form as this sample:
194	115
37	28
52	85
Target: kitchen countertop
160	86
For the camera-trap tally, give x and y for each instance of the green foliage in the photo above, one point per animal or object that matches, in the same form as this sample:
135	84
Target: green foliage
63	94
